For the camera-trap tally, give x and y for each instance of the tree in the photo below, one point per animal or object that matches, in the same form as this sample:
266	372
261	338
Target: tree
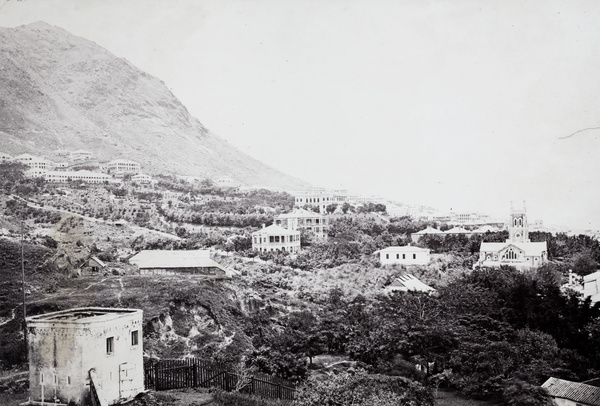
362	389
520	393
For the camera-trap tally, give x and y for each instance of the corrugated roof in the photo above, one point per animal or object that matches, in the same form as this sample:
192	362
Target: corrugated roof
174	259
408	282
457	230
575	391
429	230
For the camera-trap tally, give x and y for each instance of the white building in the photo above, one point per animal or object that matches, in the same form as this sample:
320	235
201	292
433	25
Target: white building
142	178
5	158
78	351
591	286
320	198
518	250
276	238
81	155
85	176
123	166
34	162
301	219
406	255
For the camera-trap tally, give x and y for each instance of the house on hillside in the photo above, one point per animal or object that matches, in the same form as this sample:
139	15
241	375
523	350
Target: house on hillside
276	238
177	262
301	219
591	287
567	393
5	158
120	167
518	250
92	265
85	352
406	255
408	283
142	178
458	231
415	237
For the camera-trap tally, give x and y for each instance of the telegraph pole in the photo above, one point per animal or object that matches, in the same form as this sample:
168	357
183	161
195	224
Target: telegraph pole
23	284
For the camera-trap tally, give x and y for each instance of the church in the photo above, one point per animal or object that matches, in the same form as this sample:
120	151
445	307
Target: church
518	250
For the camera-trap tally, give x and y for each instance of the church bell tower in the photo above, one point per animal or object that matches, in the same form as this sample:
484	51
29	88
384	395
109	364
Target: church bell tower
517	228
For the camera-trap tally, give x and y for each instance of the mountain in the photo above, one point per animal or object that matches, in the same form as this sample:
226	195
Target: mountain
62	92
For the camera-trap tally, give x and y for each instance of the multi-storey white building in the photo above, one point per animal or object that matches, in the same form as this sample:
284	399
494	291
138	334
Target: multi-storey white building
123	166
142	178
320	198
85	176
301	219
81	155
276	238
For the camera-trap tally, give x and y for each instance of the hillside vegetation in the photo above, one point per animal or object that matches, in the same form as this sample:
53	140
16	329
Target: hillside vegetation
487	333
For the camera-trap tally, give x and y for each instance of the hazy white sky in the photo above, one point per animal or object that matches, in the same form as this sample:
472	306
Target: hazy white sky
456	104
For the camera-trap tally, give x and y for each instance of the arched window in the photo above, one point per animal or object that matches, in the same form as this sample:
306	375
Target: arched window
510	254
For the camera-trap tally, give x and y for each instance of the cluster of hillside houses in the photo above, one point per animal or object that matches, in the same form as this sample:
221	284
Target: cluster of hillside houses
76	167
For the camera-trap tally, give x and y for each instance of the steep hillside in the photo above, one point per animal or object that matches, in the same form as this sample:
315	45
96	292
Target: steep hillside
59	91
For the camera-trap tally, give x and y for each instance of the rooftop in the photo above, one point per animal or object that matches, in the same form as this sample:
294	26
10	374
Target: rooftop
575	391
82	315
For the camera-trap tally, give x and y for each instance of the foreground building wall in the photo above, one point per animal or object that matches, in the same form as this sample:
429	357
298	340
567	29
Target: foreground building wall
65	346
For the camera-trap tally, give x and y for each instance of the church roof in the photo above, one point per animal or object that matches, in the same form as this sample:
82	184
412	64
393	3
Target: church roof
530	248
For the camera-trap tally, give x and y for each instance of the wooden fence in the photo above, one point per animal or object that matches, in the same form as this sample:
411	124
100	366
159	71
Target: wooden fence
195	373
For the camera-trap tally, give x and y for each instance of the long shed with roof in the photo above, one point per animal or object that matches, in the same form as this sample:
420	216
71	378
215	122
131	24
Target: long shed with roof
567	393
172	262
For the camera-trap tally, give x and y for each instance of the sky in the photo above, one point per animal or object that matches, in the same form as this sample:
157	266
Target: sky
464	104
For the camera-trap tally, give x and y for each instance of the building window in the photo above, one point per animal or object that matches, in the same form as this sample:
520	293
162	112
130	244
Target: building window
387	256
414	256
134	338
403	256
110	345
397	256
68	380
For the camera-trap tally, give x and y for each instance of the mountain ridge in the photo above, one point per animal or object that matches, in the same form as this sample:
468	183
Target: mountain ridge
63	92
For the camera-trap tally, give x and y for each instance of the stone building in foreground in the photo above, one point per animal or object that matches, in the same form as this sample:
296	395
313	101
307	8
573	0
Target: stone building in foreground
79	354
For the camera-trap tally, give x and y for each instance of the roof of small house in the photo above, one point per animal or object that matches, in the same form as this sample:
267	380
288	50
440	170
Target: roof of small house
409	282
429	230
575	391
148	259
486	228
592	277
82	315
404	248
457	230
530	248
300	213
276	230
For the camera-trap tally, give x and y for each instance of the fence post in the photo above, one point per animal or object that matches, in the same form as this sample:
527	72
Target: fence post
278	391
252	390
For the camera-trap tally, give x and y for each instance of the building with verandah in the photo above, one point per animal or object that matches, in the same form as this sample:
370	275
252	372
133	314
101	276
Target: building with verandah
276	238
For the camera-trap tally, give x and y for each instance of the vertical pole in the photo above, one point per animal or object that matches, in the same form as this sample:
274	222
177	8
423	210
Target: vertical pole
23	285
